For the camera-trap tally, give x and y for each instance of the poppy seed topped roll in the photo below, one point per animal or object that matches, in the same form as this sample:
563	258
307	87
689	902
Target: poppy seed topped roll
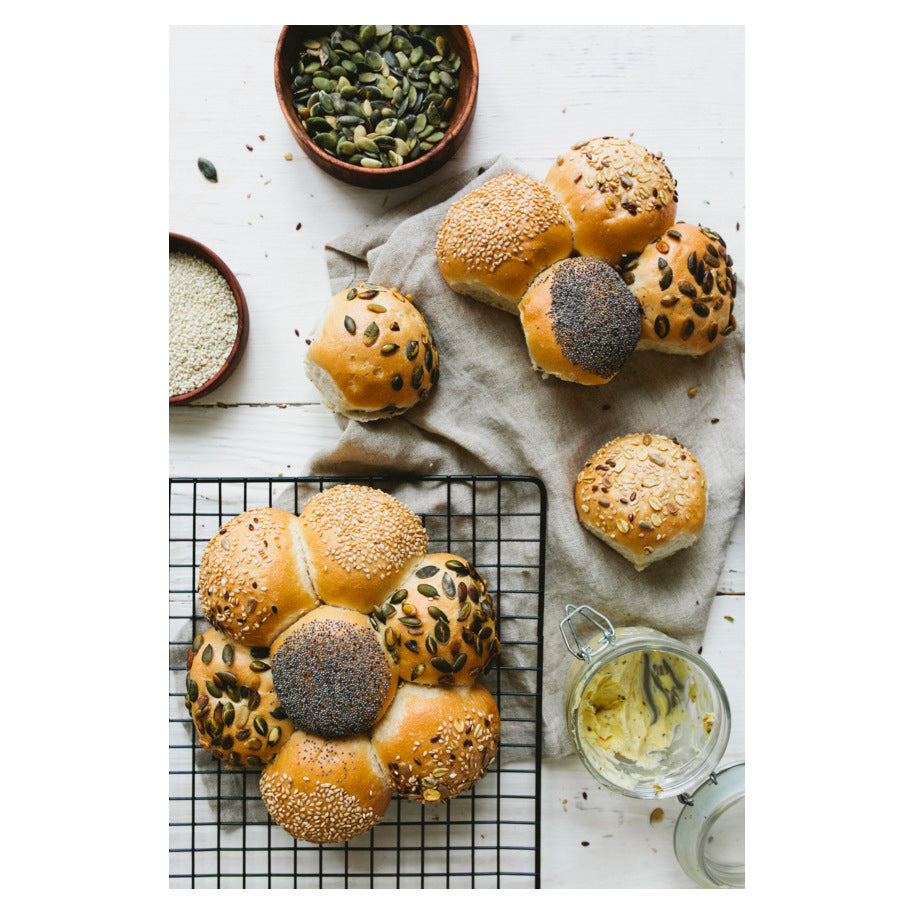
497	238
581	321
331	674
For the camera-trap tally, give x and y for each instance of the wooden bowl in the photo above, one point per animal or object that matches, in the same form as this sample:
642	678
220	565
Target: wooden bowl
184	245
458	38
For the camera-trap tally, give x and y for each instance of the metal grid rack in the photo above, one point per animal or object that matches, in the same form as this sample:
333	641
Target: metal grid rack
221	835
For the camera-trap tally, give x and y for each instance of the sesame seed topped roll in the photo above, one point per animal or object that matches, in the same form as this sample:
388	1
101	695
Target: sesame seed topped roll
436	742
331	673
580	321
359	541
325	791
644	495
253	580
232	702
618	196
439	625
497	238
373	356
685	285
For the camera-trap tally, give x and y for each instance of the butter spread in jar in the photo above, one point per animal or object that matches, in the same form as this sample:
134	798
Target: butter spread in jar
647	715
641	709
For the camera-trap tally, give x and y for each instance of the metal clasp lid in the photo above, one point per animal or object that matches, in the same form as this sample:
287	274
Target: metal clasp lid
595	618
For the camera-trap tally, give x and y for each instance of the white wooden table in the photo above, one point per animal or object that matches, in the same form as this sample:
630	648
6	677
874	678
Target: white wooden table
676	90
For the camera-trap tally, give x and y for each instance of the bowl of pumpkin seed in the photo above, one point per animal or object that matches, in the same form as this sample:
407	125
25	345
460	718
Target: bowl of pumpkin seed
377	105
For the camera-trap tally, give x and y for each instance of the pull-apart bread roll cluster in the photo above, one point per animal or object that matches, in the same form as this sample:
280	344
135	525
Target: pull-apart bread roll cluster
608	200
342	661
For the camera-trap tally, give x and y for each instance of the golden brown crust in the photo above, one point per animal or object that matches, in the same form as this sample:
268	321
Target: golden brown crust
618	196
497	238
685	285
232	702
645	495
595	319
325	791
437	742
253	582
373	356
439	625
332	674
359	541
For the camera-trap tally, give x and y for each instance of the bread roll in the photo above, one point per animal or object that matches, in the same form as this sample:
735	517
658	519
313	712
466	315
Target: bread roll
325	791
437	742
359	541
373	356
253	579
497	238
231	698
685	285
580	321
644	495
617	194
439	625
331	673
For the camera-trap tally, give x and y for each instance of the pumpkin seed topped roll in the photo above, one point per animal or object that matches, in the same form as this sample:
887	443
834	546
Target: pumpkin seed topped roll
439	625
232	702
685	285
497	238
618	196
372	356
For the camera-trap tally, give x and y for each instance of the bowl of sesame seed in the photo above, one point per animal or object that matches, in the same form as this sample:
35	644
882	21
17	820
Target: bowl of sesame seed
207	320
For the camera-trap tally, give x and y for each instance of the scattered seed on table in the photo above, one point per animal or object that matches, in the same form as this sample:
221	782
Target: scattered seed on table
249	148
208	170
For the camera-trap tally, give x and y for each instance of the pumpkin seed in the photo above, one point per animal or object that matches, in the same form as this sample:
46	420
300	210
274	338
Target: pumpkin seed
198	643
228	655
192	689
258	666
440	664
208	170
207	654
427	591
448	585
397	597
371	333
417	671
454	565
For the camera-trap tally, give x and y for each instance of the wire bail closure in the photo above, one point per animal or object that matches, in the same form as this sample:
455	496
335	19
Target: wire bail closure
595	618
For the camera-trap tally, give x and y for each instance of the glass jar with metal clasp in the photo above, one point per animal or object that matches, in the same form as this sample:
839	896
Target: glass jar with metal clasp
649	718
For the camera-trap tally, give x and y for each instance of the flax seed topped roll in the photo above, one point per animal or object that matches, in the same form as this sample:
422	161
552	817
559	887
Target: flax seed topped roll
231	698
618	196
437	742
325	791
439	625
359	541
580	320
685	285
331	673
644	495
497	238
253	580
373	356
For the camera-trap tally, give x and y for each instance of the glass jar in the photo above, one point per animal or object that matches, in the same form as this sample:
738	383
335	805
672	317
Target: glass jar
647	715
649	719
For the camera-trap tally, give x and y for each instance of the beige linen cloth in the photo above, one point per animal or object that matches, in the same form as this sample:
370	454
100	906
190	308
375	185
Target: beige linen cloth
491	413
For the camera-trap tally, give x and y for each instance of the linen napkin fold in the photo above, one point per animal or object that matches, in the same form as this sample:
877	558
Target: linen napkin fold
491	413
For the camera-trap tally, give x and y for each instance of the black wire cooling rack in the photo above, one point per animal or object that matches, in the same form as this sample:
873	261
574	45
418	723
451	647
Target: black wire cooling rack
221	835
